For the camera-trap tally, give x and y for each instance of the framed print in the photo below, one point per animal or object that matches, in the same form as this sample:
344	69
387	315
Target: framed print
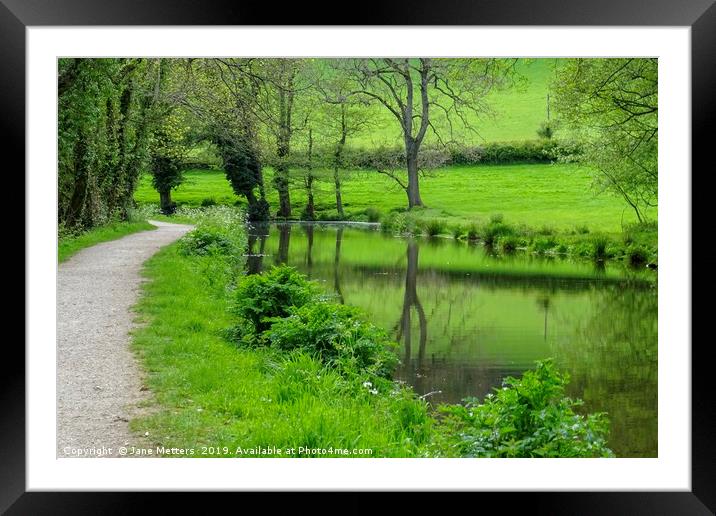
429	241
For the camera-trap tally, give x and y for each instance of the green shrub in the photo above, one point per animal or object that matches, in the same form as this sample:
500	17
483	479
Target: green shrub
546	129
457	231
473	233
637	256
495	229
546	231
208	201
508	243
433	227
599	247
328	215
339	336
205	241
542	245
373	214
218	231
260	298
527	417
497	218
582	230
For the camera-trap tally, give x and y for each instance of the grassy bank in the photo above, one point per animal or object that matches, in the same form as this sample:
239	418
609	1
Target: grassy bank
211	393
463	202
68	245
558	196
244	366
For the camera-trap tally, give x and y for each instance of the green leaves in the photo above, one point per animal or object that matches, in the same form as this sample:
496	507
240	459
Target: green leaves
262	298
527	417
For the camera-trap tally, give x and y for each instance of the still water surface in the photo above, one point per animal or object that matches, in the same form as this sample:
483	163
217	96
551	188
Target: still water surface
466	318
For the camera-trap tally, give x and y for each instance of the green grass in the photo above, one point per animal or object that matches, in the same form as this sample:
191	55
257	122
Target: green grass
69	245
208	392
559	196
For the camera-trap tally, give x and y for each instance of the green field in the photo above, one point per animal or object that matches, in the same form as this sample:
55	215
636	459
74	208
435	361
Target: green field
558	196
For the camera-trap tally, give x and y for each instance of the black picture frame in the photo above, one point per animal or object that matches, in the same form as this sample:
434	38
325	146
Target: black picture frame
699	15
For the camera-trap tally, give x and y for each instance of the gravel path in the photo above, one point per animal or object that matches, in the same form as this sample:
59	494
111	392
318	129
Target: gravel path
98	379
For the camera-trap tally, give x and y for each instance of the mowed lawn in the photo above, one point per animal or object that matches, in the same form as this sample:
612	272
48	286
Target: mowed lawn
559	196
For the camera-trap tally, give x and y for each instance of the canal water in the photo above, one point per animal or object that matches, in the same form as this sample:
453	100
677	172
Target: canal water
465	318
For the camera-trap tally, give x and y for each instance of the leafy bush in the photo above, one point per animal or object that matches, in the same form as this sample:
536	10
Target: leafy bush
208	201
472	232
582	230
433	227
204	241
542	244
373	214
509	243
547	129
637	255
527	417
599	247
495	229
219	231
399	223
260	298
457	231
338	335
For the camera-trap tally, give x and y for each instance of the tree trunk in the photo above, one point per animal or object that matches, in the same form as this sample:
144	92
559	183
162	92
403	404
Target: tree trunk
310	205
413	189
339	198
337	162
165	201
284	198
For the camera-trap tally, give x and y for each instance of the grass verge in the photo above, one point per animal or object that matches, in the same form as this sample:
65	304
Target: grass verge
209	393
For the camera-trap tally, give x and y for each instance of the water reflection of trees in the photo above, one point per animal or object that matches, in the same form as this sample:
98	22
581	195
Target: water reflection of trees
612	361
410	301
336	266
284	239
308	229
255	254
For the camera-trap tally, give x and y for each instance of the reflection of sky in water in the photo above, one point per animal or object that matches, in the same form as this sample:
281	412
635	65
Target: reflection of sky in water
465	319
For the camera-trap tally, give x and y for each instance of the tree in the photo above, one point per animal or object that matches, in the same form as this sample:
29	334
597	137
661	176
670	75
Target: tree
613	106
105	121
342	115
414	90
169	142
224	100
167	161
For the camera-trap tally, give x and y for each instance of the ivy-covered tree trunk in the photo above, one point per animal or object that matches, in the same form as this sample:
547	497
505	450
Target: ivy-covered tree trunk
165	202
